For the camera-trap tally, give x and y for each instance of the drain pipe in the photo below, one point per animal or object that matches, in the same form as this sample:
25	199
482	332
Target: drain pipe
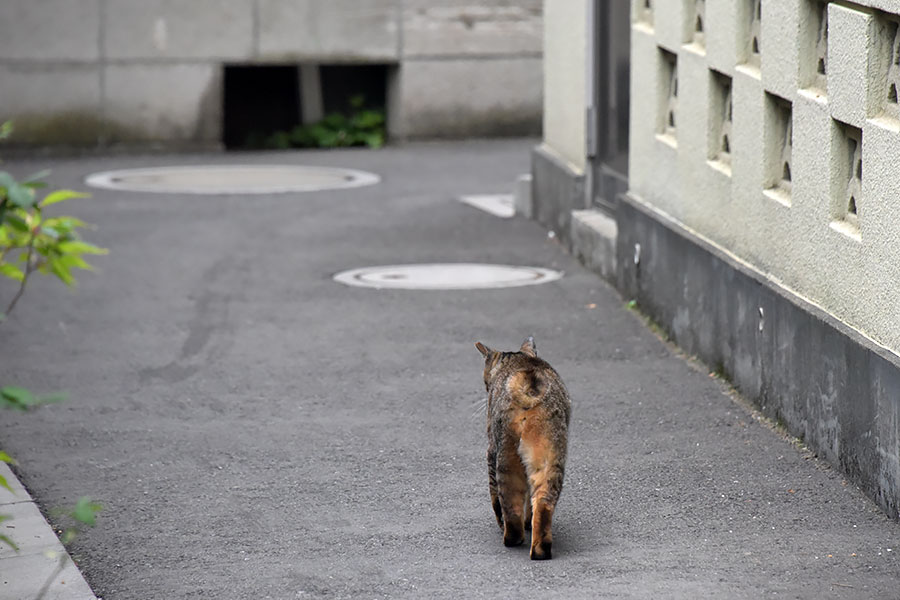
591	96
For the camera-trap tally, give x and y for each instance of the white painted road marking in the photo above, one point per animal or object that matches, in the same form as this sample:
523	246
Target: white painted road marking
499	205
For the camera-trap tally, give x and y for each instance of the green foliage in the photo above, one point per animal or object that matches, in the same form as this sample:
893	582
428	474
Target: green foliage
19	398
5	539
83	513
361	127
32	242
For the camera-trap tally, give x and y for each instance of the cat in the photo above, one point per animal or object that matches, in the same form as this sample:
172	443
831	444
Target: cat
528	411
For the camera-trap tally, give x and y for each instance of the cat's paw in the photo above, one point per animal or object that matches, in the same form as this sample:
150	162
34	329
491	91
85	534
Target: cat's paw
541	551
513	538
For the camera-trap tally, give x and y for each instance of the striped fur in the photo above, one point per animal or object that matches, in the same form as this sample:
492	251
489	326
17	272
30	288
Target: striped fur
528	412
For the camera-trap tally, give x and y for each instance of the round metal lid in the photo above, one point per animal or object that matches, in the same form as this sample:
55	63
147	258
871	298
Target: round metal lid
446	276
231	179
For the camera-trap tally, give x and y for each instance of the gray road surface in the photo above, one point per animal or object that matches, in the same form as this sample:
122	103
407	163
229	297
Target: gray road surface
255	430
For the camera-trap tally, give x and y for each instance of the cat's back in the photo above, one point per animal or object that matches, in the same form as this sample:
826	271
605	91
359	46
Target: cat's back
528	382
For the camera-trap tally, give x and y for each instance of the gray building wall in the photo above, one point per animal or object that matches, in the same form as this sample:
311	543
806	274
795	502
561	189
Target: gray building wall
769	137
761	221
108	71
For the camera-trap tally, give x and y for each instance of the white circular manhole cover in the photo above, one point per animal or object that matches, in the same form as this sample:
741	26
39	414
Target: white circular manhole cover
231	179
453	276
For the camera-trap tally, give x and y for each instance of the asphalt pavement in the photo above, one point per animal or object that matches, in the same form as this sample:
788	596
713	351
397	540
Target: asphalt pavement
254	429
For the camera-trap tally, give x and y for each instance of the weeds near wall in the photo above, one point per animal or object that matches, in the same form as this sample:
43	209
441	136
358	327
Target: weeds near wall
361	127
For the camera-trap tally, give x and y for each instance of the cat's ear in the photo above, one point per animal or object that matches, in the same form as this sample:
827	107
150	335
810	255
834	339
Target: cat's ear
528	347
483	349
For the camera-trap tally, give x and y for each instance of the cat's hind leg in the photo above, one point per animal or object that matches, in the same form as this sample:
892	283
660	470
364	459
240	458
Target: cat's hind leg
528	510
545	475
512	485
492	484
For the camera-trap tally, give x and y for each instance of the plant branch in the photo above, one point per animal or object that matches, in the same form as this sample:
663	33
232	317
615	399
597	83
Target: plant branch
29	268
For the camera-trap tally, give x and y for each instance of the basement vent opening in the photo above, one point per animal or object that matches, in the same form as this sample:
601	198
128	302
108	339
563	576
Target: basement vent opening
266	106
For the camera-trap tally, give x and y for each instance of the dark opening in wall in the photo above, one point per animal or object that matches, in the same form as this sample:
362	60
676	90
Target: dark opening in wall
340	83
259	100
265	105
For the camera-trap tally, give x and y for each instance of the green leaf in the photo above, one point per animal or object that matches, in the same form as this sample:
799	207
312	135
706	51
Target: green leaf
6	130
333	121
9	542
34	182
368	119
34	185
18	397
61	196
4	457
374	140
73	261
50	232
85	511
64	223
18	194
17	222
11	271
35	177
5	484
61	270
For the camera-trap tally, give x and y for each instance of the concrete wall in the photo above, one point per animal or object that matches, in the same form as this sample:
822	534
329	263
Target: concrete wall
761	225
565	52
470	68
779	197
140	70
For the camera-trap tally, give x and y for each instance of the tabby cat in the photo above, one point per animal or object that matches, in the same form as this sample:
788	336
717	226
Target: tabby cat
528	418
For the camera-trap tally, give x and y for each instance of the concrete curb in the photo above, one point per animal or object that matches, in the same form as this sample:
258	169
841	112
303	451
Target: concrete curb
23	573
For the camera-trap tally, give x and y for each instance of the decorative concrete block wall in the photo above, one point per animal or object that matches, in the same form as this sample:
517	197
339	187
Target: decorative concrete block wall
152	70
775	133
764	210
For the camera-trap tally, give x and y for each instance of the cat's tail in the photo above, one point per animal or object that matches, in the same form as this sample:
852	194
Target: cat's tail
528	388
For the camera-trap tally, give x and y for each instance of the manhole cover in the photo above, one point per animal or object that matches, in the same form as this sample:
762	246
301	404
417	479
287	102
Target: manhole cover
452	276
231	179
